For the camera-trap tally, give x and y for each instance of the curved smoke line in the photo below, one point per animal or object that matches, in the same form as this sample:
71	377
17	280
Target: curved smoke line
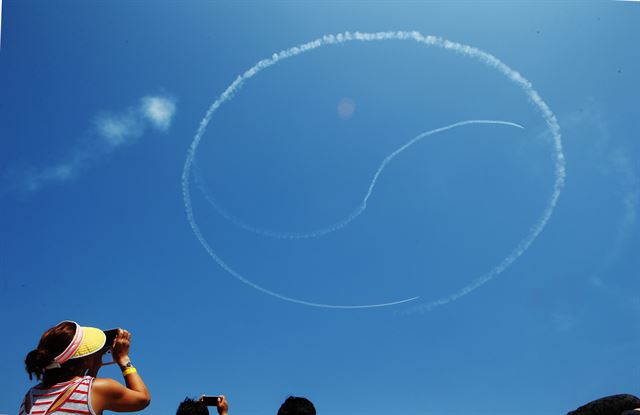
466	50
354	214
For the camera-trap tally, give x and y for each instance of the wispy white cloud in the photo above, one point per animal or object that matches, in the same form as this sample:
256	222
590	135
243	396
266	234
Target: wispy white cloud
32	179
109	131
614	161
118	129
125	127
159	111
59	173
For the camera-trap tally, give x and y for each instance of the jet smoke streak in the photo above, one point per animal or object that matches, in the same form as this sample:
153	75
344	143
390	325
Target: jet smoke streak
354	214
469	51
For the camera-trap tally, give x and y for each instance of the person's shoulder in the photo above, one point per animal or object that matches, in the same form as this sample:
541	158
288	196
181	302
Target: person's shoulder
105	382
107	388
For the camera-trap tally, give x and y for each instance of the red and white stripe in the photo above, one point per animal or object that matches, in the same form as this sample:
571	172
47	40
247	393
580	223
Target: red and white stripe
78	402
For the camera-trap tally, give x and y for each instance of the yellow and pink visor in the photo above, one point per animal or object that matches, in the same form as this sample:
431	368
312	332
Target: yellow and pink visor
85	342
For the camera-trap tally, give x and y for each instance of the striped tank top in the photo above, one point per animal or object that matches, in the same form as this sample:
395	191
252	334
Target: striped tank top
78	402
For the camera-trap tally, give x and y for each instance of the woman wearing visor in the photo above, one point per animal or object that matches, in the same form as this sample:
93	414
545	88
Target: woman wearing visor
67	361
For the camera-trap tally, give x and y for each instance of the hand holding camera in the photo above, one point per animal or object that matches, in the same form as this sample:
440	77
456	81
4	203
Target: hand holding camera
120	347
220	402
117	344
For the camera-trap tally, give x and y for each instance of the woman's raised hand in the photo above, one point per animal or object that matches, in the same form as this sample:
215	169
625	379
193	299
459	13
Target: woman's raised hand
120	348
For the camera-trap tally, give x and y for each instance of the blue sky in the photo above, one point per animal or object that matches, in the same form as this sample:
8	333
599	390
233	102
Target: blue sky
100	102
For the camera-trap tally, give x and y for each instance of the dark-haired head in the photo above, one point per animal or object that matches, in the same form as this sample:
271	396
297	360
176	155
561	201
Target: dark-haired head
297	406
53	342
192	407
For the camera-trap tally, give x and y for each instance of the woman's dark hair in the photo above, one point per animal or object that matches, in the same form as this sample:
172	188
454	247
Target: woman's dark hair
297	406
192	407
53	342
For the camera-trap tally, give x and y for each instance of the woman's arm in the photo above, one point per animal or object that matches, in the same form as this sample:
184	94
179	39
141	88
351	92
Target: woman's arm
107	394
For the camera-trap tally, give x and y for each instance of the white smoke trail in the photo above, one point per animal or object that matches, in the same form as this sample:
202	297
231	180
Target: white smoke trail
354	214
465	50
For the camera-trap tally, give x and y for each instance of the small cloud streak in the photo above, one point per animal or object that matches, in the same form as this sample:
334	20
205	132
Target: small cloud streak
110	131
159	111
621	165
117	130
614	160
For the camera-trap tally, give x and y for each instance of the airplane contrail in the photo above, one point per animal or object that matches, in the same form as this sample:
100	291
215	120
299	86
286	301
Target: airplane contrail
354	214
466	50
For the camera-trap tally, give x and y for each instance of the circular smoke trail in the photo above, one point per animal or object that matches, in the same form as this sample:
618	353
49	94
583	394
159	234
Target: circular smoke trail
466	50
